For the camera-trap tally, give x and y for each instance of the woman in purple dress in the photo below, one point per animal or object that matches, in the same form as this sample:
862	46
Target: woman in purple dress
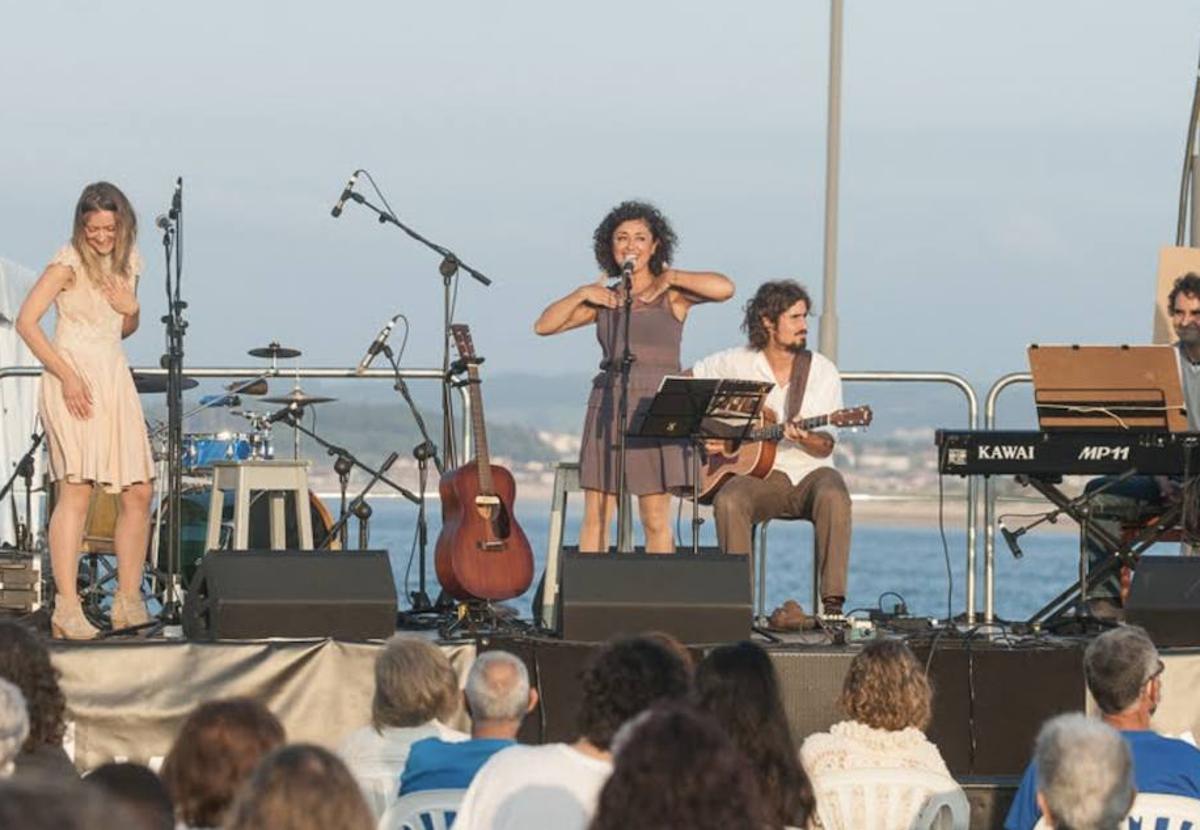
632	232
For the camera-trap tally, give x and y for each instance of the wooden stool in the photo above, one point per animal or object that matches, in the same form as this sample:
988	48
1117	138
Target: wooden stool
244	477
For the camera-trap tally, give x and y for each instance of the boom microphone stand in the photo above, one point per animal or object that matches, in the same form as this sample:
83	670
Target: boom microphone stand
448	268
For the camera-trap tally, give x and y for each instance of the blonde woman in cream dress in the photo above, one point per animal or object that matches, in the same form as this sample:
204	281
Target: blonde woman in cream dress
95	431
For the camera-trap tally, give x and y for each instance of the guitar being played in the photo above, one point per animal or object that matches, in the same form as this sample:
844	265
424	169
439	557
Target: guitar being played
800	482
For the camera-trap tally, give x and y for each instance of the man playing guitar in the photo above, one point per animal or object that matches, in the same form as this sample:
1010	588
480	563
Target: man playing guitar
802	483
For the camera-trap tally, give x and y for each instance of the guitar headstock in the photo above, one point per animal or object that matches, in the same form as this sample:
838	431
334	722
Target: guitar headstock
461	333
859	416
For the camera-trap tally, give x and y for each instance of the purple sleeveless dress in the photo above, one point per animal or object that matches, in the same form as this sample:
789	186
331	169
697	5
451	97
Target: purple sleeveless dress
651	465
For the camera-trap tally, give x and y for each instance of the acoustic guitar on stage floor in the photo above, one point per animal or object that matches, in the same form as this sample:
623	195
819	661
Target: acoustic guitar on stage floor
482	553
756	454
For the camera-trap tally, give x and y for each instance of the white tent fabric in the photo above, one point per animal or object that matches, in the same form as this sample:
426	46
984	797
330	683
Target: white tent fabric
18	396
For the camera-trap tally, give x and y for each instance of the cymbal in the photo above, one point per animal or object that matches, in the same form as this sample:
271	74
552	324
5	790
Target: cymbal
156	384
274	350
300	398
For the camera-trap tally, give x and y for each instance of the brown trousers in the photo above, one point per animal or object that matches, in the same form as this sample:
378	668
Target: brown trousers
821	497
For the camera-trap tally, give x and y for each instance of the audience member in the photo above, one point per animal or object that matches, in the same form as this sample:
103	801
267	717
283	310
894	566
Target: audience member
215	752
889	703
556	785
37	802
676	645
25	662
675	768
1084	774
14	726
1123	672
301	787
736	684
498	698
415	691
139	790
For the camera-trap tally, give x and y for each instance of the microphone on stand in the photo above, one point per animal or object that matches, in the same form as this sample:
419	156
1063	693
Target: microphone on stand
1010	539
220	400
285	414
347	192
176	200
626	276
376	346
161	221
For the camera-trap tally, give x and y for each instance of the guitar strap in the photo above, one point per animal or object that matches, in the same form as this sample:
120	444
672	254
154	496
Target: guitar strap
797	383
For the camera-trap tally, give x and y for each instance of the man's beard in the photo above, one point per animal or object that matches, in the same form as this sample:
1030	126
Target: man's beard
796	348
1188	335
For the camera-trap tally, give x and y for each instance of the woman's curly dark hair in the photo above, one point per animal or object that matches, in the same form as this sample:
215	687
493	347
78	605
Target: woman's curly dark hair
736	684
625	678
25	662
660	229
676	768
214	754
769	301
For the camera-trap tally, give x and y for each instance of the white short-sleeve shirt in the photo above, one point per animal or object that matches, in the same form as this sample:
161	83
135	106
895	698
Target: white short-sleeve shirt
822	395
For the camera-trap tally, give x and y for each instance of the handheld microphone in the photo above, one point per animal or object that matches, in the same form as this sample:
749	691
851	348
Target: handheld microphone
346	193
376	346
1010	539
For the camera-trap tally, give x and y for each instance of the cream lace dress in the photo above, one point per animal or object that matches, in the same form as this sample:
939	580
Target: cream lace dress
850	745
111	447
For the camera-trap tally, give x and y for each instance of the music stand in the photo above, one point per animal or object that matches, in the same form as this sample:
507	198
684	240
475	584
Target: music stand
1107	388
699	409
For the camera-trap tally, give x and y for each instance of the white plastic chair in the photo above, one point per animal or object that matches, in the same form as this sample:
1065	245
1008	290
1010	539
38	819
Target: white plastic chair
425	810
1155	811
890	799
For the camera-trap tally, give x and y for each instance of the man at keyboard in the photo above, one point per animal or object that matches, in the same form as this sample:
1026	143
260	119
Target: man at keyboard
1139	498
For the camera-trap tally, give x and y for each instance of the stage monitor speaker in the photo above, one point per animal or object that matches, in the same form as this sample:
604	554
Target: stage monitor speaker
701	598
1165	599
253	594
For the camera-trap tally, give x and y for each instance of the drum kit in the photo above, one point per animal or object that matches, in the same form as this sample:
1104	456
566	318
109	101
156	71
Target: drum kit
199	452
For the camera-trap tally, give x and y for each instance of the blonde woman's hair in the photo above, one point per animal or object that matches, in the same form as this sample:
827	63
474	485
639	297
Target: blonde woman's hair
886	688
104	196
414	683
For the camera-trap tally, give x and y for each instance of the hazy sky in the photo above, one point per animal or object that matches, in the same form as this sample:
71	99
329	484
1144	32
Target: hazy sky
1009	169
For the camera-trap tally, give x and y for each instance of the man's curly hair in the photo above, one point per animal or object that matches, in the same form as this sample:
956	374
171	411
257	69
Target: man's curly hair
660	229
886	688
769	301
625	678
25	662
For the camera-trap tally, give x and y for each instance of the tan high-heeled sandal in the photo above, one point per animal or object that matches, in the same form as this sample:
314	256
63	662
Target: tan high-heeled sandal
128	611
68	621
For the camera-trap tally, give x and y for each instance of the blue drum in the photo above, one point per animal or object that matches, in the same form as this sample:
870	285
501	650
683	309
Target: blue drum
203	449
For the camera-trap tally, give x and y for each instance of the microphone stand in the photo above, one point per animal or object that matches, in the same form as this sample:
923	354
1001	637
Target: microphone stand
360	500
341	452
624	543
172	361
448	268
423	452
24	469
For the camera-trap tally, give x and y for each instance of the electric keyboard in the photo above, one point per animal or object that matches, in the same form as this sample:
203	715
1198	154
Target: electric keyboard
1059	453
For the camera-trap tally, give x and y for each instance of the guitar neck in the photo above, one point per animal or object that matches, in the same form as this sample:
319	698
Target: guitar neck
775	431
479	432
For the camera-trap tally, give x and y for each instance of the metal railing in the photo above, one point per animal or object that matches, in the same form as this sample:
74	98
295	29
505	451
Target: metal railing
972	482
239	372
989	497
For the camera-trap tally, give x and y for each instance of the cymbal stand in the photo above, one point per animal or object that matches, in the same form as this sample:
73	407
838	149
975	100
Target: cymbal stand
360	500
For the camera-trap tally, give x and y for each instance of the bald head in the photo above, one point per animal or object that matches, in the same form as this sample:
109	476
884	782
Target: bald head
498	688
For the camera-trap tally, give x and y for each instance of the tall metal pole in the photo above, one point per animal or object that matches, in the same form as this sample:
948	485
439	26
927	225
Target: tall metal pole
828	345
